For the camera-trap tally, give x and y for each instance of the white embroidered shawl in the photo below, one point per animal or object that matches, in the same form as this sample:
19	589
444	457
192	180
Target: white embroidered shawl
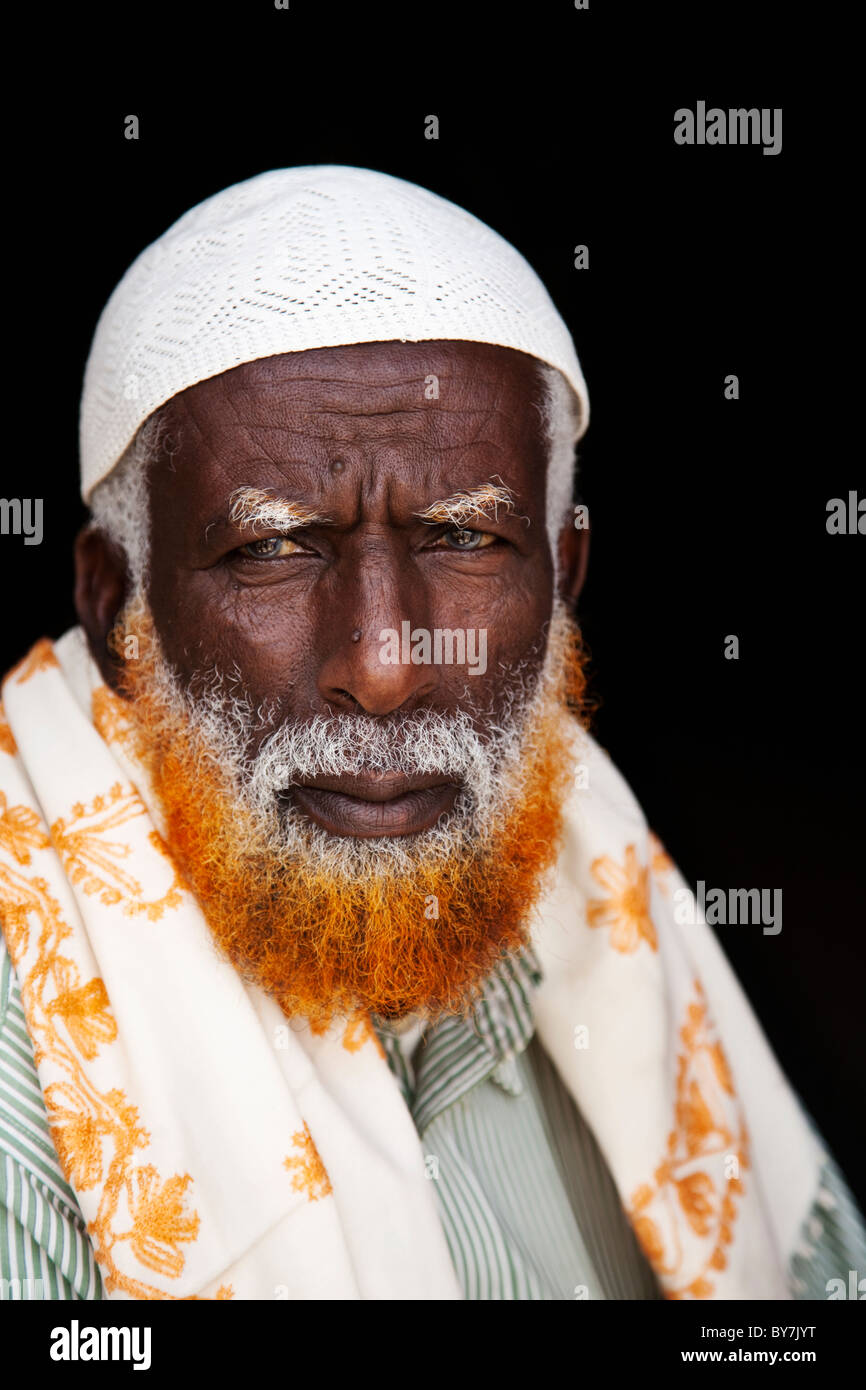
218	1151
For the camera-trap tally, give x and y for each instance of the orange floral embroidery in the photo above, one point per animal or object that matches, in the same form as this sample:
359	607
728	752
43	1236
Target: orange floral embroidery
696	1194
722	1070
94	861
7	738
689	1192
41	657
78	1130
160	1223
96	1134
309	1171
646	1230
20	831
84	1009
626	908
16	896
661	863
224	1291
360	1030
111	718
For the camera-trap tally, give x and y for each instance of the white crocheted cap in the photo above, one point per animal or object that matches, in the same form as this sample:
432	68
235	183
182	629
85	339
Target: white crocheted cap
309	257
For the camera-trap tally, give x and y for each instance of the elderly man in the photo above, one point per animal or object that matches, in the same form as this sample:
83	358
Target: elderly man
339	961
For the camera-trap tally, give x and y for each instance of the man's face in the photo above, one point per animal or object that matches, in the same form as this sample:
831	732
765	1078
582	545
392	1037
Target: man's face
361	833
361	440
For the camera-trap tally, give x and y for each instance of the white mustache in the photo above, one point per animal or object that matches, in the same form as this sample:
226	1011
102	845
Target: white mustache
486	747
418	744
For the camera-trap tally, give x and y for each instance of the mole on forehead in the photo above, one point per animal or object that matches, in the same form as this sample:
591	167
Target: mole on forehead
299	449
378	438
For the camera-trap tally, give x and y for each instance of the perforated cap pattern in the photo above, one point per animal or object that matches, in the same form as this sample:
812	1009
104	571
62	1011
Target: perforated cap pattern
309	257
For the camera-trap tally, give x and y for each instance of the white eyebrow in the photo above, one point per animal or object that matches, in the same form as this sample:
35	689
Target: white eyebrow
254	506
474	505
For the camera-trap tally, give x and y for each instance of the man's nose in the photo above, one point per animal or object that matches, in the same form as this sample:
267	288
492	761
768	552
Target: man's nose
366	624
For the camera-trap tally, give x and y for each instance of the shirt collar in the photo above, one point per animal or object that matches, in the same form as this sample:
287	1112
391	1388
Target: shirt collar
457	1053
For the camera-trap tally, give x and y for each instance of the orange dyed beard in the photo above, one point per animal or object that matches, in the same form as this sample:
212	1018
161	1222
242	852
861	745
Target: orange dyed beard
390	942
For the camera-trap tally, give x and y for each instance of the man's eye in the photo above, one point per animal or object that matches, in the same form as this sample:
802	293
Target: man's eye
272	548
458	539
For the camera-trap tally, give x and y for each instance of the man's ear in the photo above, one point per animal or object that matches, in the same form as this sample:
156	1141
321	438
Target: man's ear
573	560
100	591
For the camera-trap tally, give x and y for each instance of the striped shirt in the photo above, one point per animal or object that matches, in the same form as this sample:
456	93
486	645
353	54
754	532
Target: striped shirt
528	1205
44	1248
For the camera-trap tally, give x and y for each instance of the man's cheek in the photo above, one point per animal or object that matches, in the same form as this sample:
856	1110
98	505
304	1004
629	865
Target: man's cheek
270	654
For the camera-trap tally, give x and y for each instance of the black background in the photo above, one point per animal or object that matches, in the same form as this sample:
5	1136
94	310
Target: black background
708	516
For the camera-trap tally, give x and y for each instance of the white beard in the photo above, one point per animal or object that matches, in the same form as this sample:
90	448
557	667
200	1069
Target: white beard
490	771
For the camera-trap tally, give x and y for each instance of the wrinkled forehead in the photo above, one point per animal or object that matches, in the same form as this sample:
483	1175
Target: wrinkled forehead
459	410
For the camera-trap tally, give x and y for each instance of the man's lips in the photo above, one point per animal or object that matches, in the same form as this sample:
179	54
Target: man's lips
388	803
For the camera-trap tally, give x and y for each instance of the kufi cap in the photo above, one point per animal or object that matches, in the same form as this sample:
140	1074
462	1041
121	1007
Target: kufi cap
309	257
